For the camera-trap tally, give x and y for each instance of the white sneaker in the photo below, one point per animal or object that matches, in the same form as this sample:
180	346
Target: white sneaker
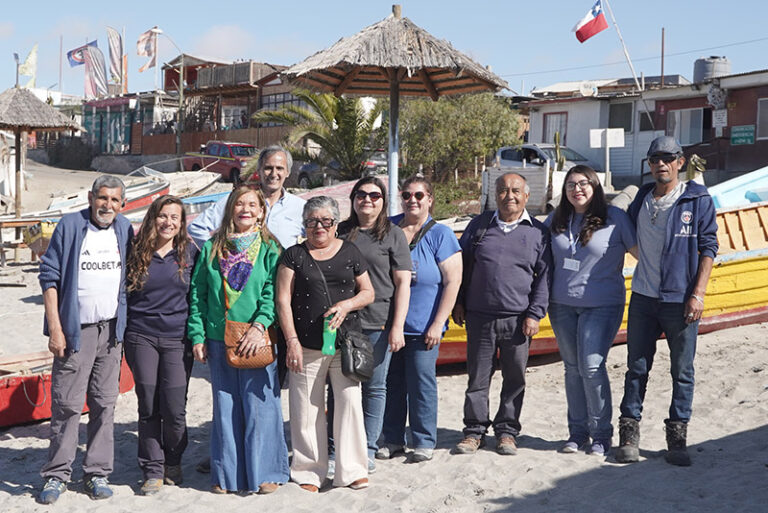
389	451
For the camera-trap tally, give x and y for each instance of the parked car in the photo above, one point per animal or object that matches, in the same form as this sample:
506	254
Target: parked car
538	153
313	174
223	157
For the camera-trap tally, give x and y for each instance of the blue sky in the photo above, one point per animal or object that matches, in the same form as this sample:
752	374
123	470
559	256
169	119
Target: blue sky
527	43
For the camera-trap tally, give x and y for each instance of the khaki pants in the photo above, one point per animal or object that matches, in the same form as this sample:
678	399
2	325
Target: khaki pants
308	422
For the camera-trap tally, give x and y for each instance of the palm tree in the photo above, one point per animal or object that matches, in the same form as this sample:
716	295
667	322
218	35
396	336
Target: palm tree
340	126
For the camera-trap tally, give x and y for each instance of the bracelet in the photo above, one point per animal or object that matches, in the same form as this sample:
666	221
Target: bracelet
698	298
259	326
291	338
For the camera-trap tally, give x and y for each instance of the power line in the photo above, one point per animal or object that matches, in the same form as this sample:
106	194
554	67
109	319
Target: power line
637	60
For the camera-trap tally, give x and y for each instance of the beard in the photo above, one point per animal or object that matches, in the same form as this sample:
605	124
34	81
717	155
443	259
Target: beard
104	218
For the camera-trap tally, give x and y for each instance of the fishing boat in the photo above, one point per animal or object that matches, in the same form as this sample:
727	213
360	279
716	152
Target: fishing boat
25	387
737	293
744	189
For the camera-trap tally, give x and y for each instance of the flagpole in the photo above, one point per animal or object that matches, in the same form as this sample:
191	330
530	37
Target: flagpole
157	62
61	60
123	70
629	61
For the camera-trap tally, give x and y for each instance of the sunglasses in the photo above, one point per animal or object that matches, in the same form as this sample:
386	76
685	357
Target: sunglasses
582	184
325	222
667	159
361	195
419	195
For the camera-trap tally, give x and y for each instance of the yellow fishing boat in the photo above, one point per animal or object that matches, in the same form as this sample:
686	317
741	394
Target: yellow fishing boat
737	292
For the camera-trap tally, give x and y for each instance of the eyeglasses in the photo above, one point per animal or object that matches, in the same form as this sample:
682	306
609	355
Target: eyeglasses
325	222
419	195
581	184
361	195
667	159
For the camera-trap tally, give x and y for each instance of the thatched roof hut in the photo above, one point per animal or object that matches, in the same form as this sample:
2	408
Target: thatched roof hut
394	48
20	110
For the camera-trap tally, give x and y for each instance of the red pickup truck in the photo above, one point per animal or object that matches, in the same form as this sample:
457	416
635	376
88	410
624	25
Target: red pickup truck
226	158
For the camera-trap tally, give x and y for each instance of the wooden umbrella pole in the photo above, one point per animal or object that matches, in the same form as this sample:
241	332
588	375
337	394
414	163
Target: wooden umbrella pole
394	139
16	253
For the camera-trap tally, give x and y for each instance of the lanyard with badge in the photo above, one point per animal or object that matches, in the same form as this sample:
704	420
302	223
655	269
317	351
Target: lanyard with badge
572	264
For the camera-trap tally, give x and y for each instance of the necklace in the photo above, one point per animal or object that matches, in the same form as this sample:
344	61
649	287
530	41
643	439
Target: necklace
320	251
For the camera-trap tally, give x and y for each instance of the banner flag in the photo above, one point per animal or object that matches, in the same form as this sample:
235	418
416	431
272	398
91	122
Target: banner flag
95	73
75	56
29	67
592	23
116	69
147	47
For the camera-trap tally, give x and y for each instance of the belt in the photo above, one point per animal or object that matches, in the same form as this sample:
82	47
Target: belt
99	324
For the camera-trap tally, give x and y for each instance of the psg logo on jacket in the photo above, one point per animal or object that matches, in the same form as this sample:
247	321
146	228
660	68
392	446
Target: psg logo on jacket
686	217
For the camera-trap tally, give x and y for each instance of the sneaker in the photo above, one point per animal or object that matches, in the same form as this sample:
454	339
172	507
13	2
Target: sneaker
51	490
173	475
420	455
331	469
359	484
389	451
469	445
97	487
506	446
600	447
571	446
151	486
371	466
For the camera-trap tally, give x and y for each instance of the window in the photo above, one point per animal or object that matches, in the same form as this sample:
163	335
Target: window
762	118
620	116
690	126
511	155
277	102
645	124
555	122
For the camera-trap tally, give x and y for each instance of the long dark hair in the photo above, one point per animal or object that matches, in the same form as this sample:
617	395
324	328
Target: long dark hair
144	244
219	245
597	210
382	224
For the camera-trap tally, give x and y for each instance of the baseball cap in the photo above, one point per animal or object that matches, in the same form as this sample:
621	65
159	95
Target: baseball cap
664	145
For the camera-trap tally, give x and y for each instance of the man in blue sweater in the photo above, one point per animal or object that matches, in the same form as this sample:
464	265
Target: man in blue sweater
503	296
82	275
677	245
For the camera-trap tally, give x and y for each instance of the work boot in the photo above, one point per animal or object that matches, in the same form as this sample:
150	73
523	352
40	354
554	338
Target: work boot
677	452
628	450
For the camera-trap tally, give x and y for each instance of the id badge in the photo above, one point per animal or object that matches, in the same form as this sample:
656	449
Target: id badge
571	264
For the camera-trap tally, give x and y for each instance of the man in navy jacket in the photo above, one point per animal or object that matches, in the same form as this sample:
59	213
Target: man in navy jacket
82	275
677	245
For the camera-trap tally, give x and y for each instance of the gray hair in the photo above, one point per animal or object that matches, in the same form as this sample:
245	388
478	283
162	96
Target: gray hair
321	202
271	150
500	179
110	182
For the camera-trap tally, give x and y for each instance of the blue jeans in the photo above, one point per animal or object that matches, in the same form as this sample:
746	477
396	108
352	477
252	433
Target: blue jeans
584	336
412	393
648	318
247	440
374	394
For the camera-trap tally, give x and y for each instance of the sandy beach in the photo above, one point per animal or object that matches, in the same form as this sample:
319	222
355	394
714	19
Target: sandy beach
728	436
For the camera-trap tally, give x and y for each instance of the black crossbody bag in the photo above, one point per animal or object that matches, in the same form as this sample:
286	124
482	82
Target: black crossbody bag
356	348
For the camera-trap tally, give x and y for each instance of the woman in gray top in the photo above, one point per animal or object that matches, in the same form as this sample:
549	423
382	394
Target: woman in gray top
589	241
389	265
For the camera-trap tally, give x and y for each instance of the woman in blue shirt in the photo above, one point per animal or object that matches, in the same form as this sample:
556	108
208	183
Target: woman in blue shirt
156	347
435	280
589	241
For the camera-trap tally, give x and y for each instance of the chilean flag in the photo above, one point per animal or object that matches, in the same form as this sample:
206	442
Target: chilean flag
592	23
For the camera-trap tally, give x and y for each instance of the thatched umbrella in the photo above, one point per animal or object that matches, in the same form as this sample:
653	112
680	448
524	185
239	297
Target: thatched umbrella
393	56
21	111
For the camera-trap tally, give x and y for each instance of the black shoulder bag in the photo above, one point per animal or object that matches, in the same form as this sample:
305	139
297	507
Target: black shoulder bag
356	348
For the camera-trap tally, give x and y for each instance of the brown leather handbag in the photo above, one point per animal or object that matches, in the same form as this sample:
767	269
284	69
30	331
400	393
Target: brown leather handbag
265	353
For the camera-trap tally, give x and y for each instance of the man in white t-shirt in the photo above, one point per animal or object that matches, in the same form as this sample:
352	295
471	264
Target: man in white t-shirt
82	275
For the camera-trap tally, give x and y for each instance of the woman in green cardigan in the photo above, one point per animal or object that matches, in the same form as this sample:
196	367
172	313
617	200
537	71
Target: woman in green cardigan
235	274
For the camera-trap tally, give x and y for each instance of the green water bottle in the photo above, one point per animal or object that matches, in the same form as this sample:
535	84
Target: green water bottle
329	337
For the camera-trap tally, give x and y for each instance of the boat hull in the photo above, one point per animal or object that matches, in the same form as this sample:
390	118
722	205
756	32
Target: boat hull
26	397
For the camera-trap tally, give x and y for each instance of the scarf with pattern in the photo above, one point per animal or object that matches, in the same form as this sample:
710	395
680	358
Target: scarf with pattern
237	264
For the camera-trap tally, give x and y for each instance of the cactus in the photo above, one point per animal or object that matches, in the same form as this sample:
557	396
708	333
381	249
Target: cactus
559	157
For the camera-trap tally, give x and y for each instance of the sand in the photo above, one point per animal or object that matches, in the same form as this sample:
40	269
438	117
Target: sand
728	436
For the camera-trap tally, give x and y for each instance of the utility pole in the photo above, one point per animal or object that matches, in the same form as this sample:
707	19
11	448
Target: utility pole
16	58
